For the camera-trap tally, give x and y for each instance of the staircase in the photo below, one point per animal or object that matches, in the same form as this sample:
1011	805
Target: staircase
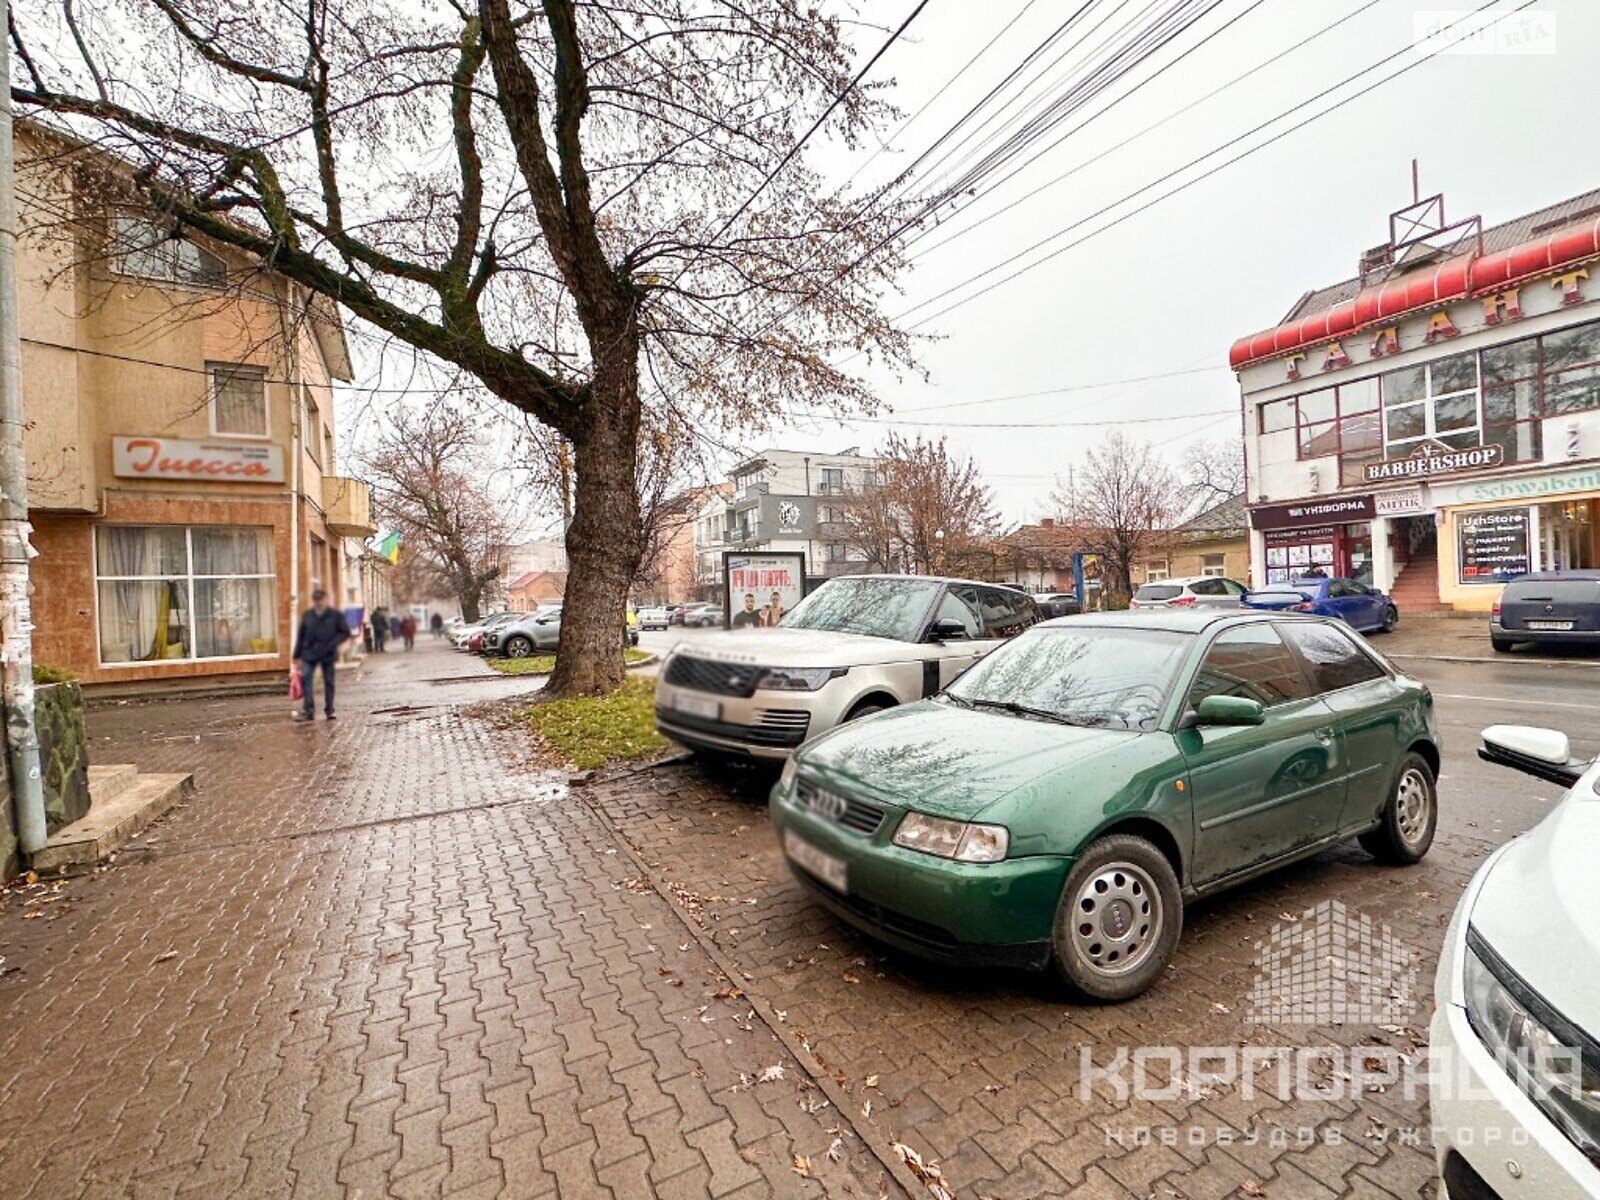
1416	588
122	802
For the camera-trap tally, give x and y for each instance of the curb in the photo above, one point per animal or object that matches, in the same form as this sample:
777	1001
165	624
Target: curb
878	1143
1504	659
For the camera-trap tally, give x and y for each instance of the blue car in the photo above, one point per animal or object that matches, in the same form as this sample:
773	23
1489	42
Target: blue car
1359	606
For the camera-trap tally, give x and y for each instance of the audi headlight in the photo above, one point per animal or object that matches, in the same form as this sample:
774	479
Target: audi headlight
1553	1062
786	778
796	679
961	841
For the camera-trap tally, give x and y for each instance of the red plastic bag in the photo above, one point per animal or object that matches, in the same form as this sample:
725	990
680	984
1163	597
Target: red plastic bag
296	692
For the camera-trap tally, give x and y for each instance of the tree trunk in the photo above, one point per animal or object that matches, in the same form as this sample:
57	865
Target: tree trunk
605	541
471	604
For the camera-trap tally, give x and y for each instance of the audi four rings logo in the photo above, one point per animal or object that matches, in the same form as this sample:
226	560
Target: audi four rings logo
827	804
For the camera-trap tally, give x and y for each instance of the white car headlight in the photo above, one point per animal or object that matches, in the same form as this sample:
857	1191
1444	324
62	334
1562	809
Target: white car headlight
796	679
1555	1064
957	840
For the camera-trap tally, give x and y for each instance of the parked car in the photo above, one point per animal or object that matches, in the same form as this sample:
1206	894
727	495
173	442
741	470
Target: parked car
678	612
1356	604
702	616
1060	802
1515	1036
1056	604
528	634
857	645
655	617
478	639
1547	608
1202	591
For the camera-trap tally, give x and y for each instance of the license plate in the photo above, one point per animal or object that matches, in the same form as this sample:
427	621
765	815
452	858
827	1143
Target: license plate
1549	624
824	866
697	706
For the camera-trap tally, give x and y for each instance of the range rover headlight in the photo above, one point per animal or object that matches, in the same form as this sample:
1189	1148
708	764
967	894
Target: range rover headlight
960	841
796	679
1555	1064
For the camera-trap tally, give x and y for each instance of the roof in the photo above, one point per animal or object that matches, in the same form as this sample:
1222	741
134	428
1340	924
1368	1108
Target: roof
1495	238
1174	620
1230	516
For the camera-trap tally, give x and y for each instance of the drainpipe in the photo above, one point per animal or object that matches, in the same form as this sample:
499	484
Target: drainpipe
16	658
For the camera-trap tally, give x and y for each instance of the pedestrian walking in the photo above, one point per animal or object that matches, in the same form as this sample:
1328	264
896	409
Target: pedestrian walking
394	627
323	630
380	628
408	630
436	624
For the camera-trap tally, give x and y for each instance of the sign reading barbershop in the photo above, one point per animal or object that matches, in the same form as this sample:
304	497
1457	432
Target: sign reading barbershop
1434	458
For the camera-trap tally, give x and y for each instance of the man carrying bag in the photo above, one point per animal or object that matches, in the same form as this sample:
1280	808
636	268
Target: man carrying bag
322	631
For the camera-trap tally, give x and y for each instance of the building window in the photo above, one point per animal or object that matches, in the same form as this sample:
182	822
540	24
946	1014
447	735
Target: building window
313	432
835	551
170	592
238	400
149	250
1434	402
1213	565
1156	570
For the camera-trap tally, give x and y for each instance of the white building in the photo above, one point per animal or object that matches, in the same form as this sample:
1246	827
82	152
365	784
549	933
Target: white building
1432	425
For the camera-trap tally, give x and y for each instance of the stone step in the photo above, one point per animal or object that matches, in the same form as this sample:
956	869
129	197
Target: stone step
108	782
110	825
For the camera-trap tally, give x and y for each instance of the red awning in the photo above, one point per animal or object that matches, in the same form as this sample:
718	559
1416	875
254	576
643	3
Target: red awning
1455	279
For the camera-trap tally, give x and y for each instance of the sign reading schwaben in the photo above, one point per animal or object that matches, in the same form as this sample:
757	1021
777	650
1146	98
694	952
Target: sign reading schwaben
1311	512
1434	458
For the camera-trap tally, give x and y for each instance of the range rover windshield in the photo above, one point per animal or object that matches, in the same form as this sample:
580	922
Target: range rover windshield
880	606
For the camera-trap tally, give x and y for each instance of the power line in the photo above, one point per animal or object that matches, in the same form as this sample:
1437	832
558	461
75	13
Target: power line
1279	136
1040	424
818	123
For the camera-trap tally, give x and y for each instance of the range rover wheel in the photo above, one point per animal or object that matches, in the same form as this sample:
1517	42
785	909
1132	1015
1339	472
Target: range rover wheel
1119	919
1410	817
518	647
865	710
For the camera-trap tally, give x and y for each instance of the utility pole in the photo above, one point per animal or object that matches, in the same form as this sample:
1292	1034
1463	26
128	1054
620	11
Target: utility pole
16	620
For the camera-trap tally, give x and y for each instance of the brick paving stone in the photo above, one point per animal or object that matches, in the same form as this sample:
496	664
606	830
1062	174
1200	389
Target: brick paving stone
383	957
990	1082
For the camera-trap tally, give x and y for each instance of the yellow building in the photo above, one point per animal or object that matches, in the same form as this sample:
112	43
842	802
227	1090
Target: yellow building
181	439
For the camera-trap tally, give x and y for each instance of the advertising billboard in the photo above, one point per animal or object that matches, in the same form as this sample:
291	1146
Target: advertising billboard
757	589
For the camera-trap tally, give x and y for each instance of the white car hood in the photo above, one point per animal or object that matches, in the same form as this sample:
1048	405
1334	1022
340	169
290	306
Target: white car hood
801	648
1539	907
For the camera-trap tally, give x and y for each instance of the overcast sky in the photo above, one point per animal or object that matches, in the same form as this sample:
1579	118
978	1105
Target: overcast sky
1168	290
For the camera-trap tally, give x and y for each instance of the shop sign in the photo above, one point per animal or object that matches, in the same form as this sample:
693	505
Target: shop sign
216	462
1434	458
1311	512
1492	546
1407	502
1529	487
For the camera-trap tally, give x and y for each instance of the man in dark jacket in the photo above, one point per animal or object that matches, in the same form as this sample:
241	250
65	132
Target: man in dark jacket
322	631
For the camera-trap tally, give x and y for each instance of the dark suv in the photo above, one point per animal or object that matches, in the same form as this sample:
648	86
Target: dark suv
1547	607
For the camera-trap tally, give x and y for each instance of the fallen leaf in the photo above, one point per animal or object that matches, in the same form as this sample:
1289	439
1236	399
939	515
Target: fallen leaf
167	957
872	1081
802	1166
770	1074
1251	1188
850	978
836	1149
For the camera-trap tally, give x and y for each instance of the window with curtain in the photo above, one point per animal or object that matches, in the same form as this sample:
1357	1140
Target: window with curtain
238	399
151	250
173	592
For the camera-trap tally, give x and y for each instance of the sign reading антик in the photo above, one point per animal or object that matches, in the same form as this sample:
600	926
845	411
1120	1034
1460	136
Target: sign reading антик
218	462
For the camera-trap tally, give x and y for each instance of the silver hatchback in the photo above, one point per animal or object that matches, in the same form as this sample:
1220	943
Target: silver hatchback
1195	591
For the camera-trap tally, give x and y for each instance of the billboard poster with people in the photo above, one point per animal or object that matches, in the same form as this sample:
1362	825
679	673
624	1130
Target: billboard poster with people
760	588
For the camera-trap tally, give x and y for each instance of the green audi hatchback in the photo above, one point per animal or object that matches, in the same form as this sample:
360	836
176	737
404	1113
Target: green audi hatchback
1060	802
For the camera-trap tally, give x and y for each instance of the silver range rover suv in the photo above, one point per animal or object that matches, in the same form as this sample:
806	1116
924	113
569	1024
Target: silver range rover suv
857	645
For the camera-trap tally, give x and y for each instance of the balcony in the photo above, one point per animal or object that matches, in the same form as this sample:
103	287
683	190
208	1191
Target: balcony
347	506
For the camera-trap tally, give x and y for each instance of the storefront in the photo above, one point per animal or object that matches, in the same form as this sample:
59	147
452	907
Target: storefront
1331	537
1495	530
1432	425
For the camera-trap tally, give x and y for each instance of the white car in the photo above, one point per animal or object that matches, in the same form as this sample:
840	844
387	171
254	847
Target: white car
1515	1037
855	646
1202	591
654	617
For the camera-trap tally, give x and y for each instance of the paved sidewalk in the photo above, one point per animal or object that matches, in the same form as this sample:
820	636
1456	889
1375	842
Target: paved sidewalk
1465	638
384	956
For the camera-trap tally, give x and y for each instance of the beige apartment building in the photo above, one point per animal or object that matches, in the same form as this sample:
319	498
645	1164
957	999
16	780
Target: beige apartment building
181	440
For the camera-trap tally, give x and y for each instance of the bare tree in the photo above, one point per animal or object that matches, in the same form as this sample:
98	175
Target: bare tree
1126	499
1213	472
925	509
619	191
428	474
